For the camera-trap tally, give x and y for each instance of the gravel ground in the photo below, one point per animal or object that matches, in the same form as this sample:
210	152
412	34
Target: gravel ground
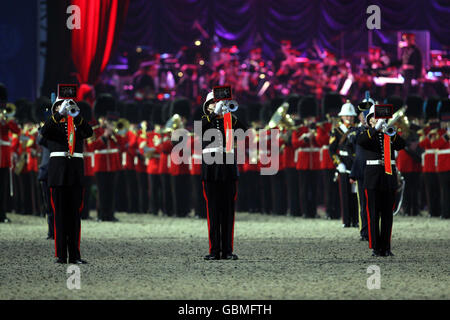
148	257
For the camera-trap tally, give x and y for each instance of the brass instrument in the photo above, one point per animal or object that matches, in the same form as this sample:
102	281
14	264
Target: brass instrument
173	124
281	119
8	112
400	120
121	126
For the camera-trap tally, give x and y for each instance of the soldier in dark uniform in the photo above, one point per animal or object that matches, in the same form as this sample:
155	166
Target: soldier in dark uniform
219	182
357	173
65	136
380	182
342	153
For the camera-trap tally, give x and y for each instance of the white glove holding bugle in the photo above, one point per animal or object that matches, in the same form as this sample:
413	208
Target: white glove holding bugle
225	106
64	109
379	125
341	168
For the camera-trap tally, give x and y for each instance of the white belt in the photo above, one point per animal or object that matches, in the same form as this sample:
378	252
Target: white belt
5	143
377	162
445	151
66	154
343	153
196	156
216	149
304	150
91	154
106	151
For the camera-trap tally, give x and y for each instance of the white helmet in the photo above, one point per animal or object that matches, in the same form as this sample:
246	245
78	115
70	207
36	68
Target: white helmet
56	103
347	110
371	113
371	101
209	98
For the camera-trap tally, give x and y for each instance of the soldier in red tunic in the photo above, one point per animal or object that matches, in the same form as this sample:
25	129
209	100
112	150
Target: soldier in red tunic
7	126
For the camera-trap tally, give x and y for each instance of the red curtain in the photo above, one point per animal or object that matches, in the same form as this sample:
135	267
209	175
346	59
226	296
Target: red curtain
92	44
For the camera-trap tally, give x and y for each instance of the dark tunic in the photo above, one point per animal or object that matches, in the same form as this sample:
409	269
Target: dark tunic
64	171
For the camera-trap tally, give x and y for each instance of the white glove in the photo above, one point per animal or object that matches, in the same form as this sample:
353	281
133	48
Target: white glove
64	109
379	124
218	107
341	168
225	109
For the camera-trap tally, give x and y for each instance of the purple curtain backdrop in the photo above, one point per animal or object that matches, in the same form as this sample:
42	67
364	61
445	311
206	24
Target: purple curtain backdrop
339	25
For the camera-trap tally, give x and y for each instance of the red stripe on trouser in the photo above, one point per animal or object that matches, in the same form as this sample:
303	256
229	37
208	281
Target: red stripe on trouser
232	231
368	219
54	220
207	215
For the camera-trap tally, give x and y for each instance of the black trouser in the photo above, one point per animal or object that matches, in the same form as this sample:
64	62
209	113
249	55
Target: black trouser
197	196
46	200
180	196
380	204
220	199
348	201
253	198
362	211
266	198
411	193
143	192
121	193
155	193
132	191
292	193
67	204
307	190
444	183
4	192
167	205
432	190
331	190
279	197
106	184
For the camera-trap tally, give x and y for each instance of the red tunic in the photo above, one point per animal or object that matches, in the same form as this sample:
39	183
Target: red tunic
5	142
323	139
288	154
107	157
307	153
130	151
443	153
252	159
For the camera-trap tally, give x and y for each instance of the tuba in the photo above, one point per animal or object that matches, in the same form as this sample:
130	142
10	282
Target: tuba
9	111
281	119
121	126
173	124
